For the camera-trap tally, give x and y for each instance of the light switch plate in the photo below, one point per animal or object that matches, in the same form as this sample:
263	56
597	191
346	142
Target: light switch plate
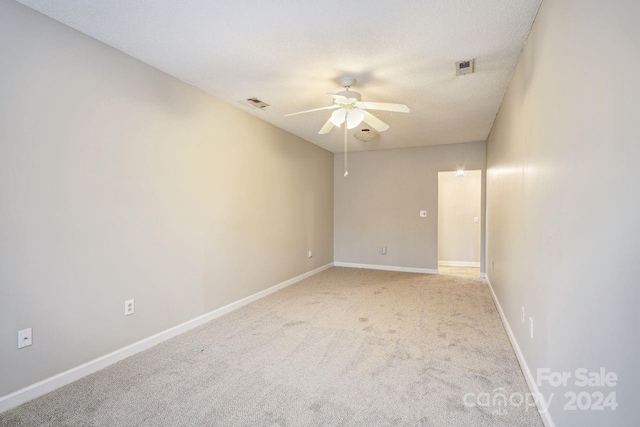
423	214
25	338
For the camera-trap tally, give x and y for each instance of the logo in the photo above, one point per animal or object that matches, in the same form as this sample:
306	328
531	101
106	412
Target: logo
596	396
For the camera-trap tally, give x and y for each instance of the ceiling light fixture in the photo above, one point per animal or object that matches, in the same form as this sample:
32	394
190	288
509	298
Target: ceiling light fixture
353	118
338	116
460	174
365	135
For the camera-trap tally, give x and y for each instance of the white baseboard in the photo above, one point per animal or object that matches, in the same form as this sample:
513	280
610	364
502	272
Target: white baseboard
386	267
459	263
533	387
52	383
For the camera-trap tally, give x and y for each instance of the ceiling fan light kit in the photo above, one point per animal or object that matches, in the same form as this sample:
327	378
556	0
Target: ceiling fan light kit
351	111
353	118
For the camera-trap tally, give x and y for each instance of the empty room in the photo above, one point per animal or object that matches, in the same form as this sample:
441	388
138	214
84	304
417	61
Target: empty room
319	213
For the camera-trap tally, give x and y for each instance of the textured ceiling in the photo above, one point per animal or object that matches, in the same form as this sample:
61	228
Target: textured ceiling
291	53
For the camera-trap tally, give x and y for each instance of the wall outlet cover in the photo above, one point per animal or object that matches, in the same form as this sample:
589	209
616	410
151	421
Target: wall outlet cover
129	307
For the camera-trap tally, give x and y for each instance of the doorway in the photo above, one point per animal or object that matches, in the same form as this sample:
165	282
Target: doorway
459	222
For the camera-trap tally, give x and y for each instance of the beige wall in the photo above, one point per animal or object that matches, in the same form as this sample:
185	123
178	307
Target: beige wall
459	203
563	199
378	204
118	181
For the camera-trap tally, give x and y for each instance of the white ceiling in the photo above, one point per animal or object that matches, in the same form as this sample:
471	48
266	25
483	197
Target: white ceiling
290	53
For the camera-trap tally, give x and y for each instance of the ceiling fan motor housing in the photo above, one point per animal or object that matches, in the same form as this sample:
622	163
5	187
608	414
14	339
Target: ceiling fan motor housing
353	96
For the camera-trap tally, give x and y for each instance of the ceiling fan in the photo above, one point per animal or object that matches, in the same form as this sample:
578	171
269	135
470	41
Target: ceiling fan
350	110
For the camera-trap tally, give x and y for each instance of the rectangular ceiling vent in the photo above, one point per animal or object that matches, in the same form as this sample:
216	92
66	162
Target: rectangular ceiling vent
257	103
465	67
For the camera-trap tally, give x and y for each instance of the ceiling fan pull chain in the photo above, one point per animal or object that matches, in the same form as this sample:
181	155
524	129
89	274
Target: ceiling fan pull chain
346	172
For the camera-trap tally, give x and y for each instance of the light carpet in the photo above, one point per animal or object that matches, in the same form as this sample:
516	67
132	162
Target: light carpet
346	347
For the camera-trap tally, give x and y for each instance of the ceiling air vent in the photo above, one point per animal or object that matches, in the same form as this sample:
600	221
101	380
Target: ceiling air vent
257	103
465	67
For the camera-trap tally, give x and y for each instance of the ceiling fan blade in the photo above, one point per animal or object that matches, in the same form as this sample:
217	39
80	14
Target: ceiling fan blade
383	106
315	109
326	128
375	122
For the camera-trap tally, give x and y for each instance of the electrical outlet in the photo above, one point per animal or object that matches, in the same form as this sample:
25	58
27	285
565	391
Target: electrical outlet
522	314
25	338
129	307
423	214
383	250
531	327
310	254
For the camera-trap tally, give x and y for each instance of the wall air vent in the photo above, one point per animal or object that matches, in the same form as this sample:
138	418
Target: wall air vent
465	67
257	103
